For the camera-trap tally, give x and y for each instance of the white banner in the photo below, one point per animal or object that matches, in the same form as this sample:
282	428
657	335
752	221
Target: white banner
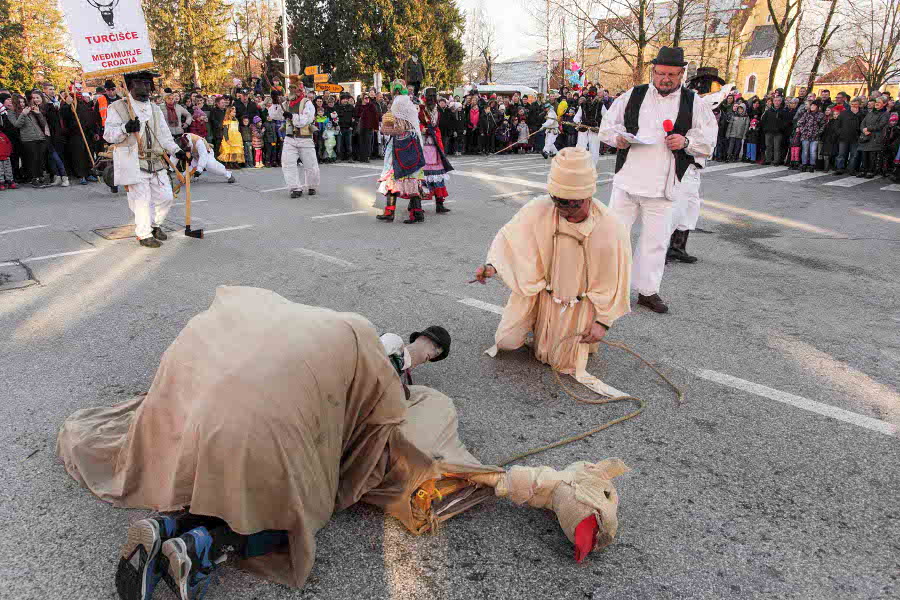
110	36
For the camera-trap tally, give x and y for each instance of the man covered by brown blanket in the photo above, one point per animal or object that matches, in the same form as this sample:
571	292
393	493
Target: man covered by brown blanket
264	418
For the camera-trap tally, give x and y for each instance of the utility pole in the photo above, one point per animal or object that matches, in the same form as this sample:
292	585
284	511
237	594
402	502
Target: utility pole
284	42
547	46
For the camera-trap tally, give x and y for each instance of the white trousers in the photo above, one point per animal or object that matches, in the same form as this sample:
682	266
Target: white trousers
686	209
650	257
590	140
150	201
214	167
305	150
550	143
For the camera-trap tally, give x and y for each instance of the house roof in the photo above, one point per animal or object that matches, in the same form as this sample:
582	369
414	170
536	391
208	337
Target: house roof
851	71
762	42
697	22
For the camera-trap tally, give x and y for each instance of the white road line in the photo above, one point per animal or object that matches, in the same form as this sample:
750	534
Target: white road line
192	202
483	176
800	177
47	257
540	168
758	172
602	181
723	167
799	402
343	214
325	257
366	175
773	219
508	194
851	181
881	216
273	190
760	390
895	187
22	229
482	305
235	228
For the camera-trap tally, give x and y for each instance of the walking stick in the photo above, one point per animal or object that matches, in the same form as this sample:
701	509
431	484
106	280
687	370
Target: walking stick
514	143
74	108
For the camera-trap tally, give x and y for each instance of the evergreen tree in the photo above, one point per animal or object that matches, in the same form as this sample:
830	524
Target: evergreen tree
32	44
189	40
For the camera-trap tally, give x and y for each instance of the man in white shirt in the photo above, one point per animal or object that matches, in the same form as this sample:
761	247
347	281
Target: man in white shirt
139	145
202	158
298	143
651	165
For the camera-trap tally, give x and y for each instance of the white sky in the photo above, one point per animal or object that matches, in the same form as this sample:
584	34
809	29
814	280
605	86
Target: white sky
512	24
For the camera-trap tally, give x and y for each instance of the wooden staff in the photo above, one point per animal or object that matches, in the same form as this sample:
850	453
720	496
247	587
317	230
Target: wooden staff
514	143
74	108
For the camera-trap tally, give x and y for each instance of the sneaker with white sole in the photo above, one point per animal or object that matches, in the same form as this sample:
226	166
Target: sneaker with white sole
190	563
139	570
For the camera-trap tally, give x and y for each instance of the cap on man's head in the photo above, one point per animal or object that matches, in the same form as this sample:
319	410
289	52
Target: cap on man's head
670	57
572	175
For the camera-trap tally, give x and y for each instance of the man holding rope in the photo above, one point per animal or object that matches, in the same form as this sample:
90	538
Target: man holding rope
141	138
567	261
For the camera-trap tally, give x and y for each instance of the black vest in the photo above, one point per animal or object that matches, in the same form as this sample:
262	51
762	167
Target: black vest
683	123
592	113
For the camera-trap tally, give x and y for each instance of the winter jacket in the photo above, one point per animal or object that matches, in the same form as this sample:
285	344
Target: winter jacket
775	120
829	139
876	121
246	133
241	110
487	121
270	132
346	114
30	126
446	122
6	147
414	71
848	126
216	118
811	125
367	115
738	126
256	135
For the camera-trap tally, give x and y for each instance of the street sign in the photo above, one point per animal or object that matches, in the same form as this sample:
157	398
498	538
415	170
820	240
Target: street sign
311	70
321	78
329	87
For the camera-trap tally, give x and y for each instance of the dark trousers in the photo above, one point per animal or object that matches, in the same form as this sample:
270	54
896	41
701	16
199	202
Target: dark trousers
846	156
775	148
416	85
870	161
734	148
472	141
217	145
344	145
364	151
35	157
270	154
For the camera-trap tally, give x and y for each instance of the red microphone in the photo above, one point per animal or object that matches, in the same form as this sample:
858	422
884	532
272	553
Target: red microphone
668	126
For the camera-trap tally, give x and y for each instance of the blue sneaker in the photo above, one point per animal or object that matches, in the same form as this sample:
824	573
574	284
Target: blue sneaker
191	565
139	570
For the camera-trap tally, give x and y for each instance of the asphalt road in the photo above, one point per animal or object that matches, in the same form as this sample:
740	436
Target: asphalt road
778	478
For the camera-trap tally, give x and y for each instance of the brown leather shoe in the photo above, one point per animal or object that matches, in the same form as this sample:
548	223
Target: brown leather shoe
653	302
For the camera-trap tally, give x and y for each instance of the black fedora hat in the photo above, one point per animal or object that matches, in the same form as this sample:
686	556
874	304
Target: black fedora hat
439	336
670	57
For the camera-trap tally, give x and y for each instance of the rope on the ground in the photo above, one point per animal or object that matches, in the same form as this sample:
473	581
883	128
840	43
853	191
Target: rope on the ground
679	400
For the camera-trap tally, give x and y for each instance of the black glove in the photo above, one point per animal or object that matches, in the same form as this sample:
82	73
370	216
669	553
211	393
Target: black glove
181	155
133	126
287	114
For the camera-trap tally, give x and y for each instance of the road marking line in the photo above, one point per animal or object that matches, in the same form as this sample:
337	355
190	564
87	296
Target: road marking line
722	167
343	214
325	257
22	229
47	257
508	194
536	168
483	176
799	402
882	216
273	190
851	181
895	187
192	202
773	219
235	228
366	175
800	177
758	172
760	390
482	305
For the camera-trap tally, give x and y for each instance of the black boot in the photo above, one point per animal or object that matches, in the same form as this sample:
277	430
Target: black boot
296	193
439	207
159	234
389	209
416	214
653	302
149	242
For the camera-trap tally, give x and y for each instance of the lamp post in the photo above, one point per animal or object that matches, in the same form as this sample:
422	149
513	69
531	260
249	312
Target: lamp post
284	41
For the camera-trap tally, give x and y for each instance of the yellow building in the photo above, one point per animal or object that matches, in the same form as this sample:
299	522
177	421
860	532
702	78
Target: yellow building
735	36
849	78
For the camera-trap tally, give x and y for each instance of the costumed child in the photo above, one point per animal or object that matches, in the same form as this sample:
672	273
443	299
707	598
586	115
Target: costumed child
751	141
330	141
231	151
551	131
403	175
256	140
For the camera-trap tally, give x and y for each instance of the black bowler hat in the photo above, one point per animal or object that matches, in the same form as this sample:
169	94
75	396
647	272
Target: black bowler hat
439	336
670	57
109	84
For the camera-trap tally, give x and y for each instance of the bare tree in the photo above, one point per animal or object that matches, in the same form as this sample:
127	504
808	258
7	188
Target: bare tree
480	44
876	26
253	33
828	30
784	23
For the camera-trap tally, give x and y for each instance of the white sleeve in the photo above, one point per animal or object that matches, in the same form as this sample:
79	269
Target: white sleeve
114	132
306	117
202	156
577	118
613	124
163	134
703	134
